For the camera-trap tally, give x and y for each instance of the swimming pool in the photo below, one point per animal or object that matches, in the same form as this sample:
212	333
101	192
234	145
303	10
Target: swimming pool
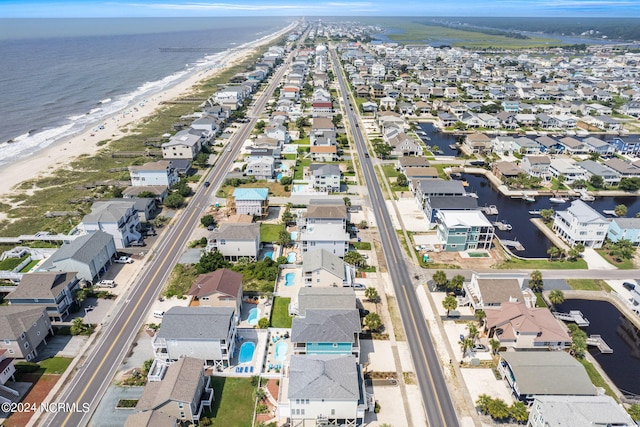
284	167
292	257
299	188
294	236
289	279
279	177
254	313
281	351
268	255
246	352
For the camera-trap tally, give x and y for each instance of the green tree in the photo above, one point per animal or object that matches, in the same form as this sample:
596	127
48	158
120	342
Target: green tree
450	303
495	345
535	281
282	260
578	341
363	224
629	184
622	249
401	180
634	411
207	220
78	327
354	258
440	278
263	323
480	315
371	294
553	252
337	120
372	321
620	210
498	409
347	201
547	214
382	150
466	344
81	295
284	238
286	180
483	403
518	411
556	297
597	181
173	201
182	188
456	283
146	367
473	331
202	160
260	125
594	156
260	394
573	254
211	261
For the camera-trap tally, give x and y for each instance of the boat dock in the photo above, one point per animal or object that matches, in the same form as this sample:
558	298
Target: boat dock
575	316
597	341
502	226
489	210
512	244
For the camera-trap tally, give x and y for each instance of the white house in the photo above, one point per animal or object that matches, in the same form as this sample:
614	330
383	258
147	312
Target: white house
325	177
160	173
578	411
250	201
323	268
118	219
185	144
537	166
580	223
568	169
236	241
331	237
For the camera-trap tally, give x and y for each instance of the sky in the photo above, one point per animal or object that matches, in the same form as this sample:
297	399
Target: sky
168	8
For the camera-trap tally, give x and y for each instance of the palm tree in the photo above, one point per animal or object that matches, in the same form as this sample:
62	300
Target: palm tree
553	252
450	303
473	331
480	315
495	345
620	210
535	281
456	283
466	345
483	403
371	294
440	278
498	409
519	411
354	258
556	297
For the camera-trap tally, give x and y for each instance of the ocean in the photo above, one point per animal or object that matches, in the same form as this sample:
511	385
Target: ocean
60	76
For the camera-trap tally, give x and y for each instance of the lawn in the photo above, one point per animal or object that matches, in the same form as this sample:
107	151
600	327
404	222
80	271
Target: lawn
588	285
626	264
362	246
233	403
275	188
596	378
280	315
29	266
55	365
11	263
298	173
542	264
390	171
269	232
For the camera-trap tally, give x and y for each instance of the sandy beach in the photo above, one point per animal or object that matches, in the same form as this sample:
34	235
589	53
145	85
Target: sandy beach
64	151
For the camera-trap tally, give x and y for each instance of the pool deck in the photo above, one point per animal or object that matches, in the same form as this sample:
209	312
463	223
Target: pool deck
259	338
275	336
288	291
265	311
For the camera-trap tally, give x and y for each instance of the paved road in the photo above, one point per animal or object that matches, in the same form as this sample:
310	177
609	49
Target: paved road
94	376
435	395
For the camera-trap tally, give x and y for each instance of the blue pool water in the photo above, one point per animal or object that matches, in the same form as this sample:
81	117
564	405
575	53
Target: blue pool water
281	351
294	235
246	352
279	177
289	279
284	167
299	188
291	257
254	313
268	255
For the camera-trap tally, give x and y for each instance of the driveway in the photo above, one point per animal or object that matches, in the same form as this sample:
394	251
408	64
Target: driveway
595	261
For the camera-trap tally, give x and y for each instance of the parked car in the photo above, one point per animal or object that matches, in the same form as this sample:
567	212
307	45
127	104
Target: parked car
124	260
629	286
480	347
158	314
106	284
359	286
363	312
138	243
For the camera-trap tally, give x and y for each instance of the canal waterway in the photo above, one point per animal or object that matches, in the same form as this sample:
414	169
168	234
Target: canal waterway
623	365
440	139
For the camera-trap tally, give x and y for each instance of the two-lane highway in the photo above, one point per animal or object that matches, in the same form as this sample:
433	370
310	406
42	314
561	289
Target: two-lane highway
94	376
435	395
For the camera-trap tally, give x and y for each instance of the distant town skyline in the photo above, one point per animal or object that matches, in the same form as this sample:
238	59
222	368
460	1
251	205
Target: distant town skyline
166	8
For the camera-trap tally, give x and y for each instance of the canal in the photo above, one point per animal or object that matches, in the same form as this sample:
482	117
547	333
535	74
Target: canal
623	365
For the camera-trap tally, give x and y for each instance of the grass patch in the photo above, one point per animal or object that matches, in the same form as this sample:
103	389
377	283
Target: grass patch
127	403
390	171
362	246
55	365
542	264
280	314
298	173
289	156
626	264
540	301
596	378
588	285
180	281
269	232
29	266
233	405
11	263
275	188
441	173
396	320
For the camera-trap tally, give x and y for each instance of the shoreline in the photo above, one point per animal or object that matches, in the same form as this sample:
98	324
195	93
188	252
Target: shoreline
114	126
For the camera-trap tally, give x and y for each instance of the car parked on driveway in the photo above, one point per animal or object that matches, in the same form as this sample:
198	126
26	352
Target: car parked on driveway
106	284
124	260
359	286
629	286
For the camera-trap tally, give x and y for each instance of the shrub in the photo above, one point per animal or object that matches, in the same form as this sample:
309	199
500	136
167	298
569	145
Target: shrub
376	409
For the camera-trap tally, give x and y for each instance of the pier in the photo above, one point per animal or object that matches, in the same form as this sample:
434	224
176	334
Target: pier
502	226
597	341
489	210
575	316
512	244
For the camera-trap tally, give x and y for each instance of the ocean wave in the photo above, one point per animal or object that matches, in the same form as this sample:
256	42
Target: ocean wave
27	144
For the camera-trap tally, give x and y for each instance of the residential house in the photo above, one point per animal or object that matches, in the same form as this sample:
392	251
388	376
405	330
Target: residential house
525	146
464	230
580	223
519	327
404	145
327	331
236	241
434	204
628	144
160	173
506	170
477	143
577	411
605	123
387	103
624	228
324	153
117	218
425	188
369	107
573	146
321	298
405	162
208	333
322	268
537	166
446	120
417	173
549	145
186	144
22	330
625	169
221	288
231	97
567	169
325	177
261	167
53	291
490	292
182	393
90	255
278	132
530	374
250	201
592	168
7	371
595	145
324	389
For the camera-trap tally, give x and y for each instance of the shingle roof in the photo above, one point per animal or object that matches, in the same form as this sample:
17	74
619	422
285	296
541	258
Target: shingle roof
332	326
496	291
150	419
222	281
319	169
338	210
334	378
537	321
112	211
628	223
196	323
251	193
230	231
42	285
320	298
580	411
84	249
14	320
322	259
180	384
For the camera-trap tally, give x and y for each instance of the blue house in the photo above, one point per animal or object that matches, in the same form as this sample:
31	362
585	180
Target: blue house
627	145
327	332
624	228
549	145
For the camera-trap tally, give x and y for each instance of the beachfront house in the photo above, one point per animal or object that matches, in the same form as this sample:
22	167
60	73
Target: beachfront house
249	201
221	288
261	168
624	228
23	329
329	234
577	411
321	268
180	391
90	255
324	177
52	291
327	331
160	173
186	144
323	389
235	241
580	223
208	333
231	97
464	230
118	219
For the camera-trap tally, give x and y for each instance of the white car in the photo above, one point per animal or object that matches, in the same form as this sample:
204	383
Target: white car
124	260
106	284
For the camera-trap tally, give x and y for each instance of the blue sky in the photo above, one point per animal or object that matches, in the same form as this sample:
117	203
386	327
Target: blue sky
168	8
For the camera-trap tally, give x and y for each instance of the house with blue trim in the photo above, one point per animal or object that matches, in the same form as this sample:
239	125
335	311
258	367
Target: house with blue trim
464	230
624	228
629	144
249	201
326	331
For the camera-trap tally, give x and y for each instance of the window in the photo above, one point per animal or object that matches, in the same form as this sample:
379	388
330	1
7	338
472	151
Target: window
26	344
181	414
22	336
11	351
7	341
333	411
180	405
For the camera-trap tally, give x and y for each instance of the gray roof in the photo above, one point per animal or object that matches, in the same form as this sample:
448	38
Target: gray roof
84	249
42	285
332	326
341	298
334	378
548	372
583	212
150	419
580	411
16	319
448	202
314	260
337	210
111	211
596	168
237	232
440	186
180	384
196	323
628	223
319	169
